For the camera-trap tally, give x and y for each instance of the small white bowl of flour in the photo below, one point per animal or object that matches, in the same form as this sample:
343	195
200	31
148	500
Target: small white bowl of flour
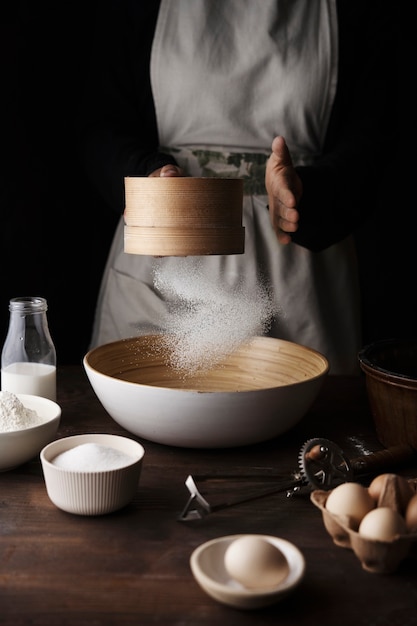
27	424
92	474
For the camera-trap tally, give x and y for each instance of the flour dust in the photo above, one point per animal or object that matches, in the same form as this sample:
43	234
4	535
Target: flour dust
206	321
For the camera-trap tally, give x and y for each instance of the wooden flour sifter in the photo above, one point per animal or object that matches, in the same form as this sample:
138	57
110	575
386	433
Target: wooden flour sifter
183	216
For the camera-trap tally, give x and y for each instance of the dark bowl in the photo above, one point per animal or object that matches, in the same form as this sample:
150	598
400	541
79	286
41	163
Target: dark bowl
390	367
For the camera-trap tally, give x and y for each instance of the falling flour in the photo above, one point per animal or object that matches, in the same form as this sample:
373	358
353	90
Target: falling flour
14	415
92	457
206	321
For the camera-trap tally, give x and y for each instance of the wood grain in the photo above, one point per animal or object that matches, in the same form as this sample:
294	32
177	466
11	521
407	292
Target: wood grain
132	567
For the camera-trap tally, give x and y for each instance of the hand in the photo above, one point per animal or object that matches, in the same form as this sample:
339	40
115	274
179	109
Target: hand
167	171
284	189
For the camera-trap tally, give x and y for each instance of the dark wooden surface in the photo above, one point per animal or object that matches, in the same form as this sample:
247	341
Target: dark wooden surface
132	566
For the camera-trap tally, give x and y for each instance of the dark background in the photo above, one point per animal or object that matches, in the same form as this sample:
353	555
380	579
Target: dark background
55	231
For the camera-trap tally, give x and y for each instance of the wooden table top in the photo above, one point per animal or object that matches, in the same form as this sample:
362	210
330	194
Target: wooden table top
132	566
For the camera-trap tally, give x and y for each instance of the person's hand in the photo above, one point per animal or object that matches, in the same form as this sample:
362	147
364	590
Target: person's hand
167	171
284	189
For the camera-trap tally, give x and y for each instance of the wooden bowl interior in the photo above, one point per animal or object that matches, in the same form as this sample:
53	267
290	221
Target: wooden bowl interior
262	363
391	358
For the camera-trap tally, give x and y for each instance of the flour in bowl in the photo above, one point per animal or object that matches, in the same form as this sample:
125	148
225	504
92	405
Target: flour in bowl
92	457
14	415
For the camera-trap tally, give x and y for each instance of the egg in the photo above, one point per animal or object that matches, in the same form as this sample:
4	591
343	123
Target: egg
411	514
392	489
255	562
382	524
351	500
377	484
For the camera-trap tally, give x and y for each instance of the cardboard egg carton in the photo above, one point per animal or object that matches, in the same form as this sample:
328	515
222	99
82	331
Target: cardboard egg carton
381	557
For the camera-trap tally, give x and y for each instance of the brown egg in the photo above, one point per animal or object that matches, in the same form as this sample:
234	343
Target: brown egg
411	514
391	490
376	485
351	500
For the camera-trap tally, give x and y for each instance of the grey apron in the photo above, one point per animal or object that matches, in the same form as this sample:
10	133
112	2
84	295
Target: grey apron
241	72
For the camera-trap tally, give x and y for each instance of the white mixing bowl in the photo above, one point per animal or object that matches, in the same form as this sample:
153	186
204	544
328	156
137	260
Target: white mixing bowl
260	391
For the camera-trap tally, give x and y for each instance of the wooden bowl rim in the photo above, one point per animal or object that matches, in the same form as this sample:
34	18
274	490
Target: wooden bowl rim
368	361
322	361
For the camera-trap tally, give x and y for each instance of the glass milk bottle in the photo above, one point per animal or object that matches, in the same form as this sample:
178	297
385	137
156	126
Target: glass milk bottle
28	359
